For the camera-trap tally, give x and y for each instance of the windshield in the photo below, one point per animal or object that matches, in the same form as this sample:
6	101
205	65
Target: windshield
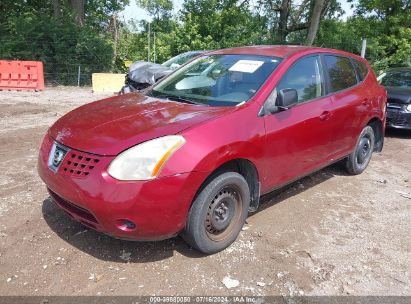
218	80
397	79
179	60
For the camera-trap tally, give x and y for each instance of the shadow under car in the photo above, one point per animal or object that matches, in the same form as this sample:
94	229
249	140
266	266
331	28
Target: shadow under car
107	248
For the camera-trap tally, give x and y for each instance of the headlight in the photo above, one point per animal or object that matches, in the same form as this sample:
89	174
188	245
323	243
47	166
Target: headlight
409	108
145	160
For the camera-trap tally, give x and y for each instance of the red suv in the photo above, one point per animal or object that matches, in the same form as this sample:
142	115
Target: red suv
193	154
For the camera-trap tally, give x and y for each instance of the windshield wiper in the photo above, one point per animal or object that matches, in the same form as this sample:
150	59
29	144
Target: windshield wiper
185	100
175	98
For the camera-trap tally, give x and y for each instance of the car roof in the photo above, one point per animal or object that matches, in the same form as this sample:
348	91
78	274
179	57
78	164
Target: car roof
281	51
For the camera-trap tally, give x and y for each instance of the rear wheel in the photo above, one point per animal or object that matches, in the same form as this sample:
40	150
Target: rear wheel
218	213
360	158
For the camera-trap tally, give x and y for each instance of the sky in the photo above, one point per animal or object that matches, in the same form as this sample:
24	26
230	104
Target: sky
132	11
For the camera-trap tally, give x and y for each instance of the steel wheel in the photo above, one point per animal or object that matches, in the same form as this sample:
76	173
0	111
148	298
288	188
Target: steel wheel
223	213
364	149
358	160
218	213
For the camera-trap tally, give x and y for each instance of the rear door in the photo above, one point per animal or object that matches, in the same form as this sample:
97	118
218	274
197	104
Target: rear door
297	139
351	103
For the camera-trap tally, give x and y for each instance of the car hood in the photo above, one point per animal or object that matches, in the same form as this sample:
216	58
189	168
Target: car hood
399	95
109	126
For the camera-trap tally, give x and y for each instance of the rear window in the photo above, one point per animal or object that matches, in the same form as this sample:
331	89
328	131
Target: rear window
341	72
361	68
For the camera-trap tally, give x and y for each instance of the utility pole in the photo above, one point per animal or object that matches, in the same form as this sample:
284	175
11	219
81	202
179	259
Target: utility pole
148	37
116	39
154	42
364	47
78	75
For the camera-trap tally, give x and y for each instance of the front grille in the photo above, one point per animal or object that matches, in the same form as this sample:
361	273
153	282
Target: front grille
73	209
79	164
402	122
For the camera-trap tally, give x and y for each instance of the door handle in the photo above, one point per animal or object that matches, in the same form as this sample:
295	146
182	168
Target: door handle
325	115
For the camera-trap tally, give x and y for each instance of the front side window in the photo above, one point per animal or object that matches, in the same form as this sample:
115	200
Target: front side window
217	80
305	77
341	72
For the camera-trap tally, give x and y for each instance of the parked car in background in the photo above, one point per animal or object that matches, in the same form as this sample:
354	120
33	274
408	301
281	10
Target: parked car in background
193	155
397	81
143	74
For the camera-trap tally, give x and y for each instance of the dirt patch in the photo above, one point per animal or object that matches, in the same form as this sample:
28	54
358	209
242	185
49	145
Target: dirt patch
327	234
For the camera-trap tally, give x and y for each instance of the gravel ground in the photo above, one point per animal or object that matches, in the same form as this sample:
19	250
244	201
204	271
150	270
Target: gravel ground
328	234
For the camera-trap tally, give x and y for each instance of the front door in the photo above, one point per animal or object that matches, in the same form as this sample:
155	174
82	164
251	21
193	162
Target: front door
298	139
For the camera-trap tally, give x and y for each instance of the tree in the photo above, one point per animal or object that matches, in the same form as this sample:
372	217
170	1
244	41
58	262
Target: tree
67	33
393	19
220	23
287	17
56	9
158	9
284	11
78	9
319	10
385	24
46	30
99	13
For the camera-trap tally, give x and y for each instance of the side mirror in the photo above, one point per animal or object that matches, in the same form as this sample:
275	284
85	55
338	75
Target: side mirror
281	101
286	98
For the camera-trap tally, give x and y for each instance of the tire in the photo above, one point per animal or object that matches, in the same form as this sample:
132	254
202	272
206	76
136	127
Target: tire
360	158
218	213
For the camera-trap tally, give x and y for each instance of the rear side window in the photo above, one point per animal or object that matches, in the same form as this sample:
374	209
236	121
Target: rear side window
341	72
361	68
305	77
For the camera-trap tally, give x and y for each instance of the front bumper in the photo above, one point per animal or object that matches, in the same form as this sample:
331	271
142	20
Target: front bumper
398	117
157	207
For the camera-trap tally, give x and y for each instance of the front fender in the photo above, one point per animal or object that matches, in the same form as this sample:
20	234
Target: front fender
239	134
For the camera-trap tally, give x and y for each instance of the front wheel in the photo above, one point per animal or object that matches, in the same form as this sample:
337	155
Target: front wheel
360	158
218	213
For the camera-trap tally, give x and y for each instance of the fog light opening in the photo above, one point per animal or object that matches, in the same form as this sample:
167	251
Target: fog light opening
125	225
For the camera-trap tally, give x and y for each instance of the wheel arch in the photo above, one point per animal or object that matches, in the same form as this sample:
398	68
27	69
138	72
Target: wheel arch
244	167
376	124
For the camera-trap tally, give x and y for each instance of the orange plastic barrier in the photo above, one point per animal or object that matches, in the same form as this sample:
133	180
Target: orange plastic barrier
21	75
